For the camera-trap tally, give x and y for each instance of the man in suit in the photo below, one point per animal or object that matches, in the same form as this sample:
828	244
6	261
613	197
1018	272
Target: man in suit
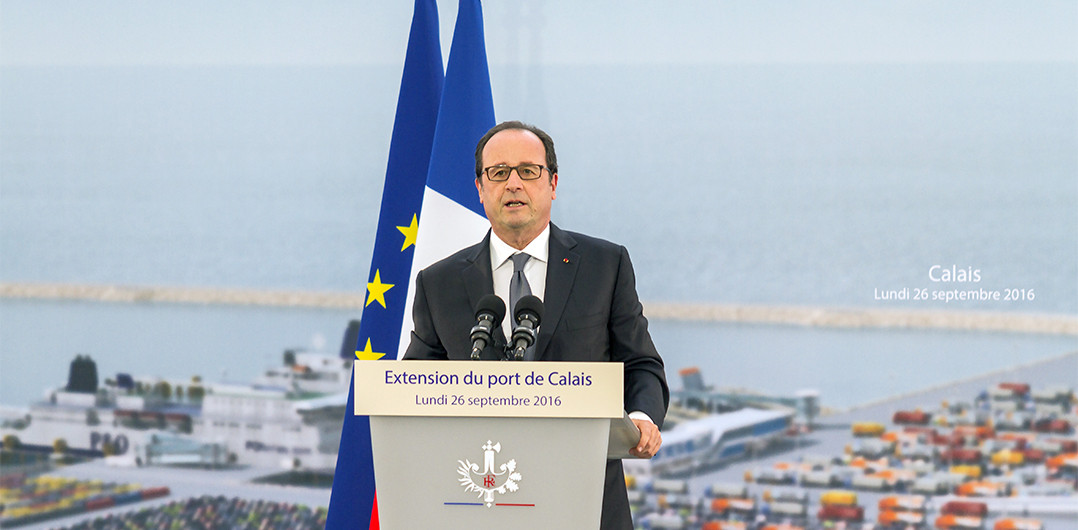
592	312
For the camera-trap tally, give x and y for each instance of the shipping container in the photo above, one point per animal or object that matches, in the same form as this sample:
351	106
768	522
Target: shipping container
667	486
727	505
984	489
874	448
789	509
836	512
724	525
153	493
869	429
888	518
958	522
795	496
774	476
981	432
1017	389
937	484
1008	457
825	479
977	509
1055	394
871	482
838	498
1049	447
973	472
962	456
911	417
918	452
1013	523
720	489
674	501
782	526
907	503
1052	425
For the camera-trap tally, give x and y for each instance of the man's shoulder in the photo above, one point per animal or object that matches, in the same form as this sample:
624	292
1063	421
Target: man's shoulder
592	243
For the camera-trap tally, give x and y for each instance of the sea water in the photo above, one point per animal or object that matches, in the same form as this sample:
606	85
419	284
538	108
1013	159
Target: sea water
809	185
236	344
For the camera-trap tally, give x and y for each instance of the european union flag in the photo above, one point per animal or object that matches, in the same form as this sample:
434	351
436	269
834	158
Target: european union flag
352	501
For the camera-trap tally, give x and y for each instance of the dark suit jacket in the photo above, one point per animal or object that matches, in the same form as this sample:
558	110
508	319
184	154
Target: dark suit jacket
592	313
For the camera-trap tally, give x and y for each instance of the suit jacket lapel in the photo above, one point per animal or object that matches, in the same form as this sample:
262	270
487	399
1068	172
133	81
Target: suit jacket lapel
479	279
560	272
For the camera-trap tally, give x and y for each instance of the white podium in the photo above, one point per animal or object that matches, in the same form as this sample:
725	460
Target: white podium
482	444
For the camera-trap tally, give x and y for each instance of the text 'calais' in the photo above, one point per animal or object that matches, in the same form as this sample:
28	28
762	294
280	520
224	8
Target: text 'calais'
939	274
568	379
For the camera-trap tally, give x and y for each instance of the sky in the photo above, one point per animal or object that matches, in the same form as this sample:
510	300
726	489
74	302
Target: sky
199	32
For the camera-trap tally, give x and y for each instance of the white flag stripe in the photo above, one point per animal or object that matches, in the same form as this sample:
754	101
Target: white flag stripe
444	228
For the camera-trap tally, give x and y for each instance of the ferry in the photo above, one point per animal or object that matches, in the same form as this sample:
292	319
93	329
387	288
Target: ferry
706	427
719	438
289	417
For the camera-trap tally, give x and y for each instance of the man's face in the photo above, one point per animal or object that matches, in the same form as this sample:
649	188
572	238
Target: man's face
518	210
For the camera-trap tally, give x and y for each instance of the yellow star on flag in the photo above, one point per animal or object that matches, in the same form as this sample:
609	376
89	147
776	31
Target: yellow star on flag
409	232
377	290
366	354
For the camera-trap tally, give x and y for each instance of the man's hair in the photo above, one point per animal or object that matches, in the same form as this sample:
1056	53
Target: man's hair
548	145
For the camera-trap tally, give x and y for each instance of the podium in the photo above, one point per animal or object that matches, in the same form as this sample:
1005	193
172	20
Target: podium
470	444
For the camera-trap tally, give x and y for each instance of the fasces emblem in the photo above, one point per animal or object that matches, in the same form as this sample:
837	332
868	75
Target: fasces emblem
501	479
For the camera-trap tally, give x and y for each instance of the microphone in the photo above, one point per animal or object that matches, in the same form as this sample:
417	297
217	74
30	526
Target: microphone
529	312
489	313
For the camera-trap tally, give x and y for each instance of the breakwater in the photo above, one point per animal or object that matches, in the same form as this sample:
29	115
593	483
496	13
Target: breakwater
831	317
1050	324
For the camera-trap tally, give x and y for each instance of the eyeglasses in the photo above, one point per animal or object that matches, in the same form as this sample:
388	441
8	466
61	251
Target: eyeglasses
524	171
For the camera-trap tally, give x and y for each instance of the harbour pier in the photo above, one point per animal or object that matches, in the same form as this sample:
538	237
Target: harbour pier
811	316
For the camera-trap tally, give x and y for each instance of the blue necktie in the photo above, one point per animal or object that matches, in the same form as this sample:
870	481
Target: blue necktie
519	288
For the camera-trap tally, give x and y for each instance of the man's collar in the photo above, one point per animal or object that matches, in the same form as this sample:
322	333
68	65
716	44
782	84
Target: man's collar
539	248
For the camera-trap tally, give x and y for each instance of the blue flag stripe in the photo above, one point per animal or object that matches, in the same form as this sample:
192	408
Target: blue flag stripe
466	112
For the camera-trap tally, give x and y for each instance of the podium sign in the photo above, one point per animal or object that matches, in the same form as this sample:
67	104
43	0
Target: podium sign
489	389
467	444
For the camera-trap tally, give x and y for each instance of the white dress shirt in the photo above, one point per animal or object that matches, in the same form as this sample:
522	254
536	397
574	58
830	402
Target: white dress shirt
534	270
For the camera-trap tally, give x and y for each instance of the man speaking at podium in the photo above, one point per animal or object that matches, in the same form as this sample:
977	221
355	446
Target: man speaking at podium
587	285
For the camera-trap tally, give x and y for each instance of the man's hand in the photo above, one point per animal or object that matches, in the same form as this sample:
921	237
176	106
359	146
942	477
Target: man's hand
650	439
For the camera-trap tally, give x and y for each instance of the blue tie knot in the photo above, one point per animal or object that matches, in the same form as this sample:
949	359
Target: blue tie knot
519	259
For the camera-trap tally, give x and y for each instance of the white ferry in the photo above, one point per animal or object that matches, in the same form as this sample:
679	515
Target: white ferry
289	417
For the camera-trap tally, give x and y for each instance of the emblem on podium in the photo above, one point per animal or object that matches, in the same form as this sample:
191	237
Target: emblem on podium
492	479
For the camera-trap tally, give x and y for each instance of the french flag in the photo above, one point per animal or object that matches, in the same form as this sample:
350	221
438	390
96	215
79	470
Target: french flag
453	217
